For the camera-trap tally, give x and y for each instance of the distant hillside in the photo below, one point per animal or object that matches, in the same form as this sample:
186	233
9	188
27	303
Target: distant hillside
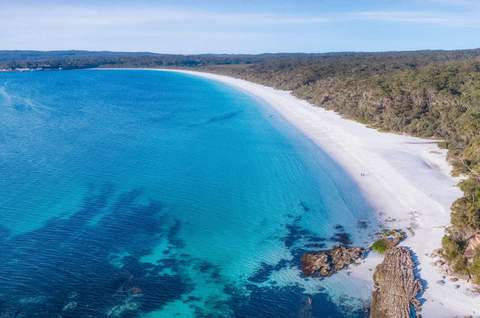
52	55
87	59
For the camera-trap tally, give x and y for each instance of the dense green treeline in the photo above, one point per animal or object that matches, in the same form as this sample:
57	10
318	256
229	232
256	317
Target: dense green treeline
88	59
334	63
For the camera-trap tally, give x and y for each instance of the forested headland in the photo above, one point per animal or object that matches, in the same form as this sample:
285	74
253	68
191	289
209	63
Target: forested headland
433	94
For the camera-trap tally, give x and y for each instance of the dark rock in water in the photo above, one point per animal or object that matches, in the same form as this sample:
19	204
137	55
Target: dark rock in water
304	206
396	287
342	238
326	263
362	224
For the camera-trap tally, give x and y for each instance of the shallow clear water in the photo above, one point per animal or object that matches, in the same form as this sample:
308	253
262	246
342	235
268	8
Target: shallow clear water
157	194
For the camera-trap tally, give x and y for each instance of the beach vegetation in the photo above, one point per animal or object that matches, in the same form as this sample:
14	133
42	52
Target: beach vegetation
451	248
474	268
460	265
380	246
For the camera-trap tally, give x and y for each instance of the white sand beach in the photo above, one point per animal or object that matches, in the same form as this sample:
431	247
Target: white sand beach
406	179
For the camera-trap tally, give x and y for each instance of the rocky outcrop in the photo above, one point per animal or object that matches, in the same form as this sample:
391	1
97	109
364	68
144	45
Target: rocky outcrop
394	236
396	287
388	239
326	263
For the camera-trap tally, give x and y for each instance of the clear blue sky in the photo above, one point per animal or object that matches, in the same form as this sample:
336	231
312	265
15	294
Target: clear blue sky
240	26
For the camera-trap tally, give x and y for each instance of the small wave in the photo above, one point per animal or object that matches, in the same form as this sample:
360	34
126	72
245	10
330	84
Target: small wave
20	103
4	95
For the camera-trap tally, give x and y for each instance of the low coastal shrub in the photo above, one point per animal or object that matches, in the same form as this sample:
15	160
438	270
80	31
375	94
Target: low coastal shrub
460	265
451	248
474	269
380	245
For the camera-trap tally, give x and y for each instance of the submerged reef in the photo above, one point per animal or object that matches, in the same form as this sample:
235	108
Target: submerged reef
91	264
64	268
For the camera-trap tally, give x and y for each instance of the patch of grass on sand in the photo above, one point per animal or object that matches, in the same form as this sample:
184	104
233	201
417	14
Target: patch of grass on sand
380	246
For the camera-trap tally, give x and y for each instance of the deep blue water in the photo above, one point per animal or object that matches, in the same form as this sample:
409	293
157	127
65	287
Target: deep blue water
157	194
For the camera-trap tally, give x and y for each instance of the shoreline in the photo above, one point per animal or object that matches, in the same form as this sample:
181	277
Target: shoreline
406	179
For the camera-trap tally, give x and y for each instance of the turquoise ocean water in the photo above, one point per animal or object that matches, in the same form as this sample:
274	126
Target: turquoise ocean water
158	194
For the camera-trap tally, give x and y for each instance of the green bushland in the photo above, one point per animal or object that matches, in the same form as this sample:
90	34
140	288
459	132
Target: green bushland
380	246
451	248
